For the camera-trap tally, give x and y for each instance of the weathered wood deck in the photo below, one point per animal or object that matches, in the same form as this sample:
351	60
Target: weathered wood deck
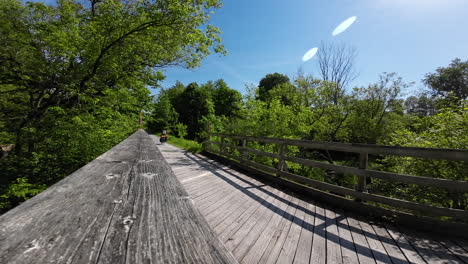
124	207
261	224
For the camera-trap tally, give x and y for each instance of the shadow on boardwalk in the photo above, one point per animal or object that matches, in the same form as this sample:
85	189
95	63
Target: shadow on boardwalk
394	246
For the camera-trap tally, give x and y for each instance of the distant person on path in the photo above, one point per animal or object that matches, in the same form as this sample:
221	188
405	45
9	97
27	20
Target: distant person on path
163	137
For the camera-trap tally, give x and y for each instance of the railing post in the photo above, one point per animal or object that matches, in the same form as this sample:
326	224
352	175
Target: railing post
222	145
361	186
282	162
243	152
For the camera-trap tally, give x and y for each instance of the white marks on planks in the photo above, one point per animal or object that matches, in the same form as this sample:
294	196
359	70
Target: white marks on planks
112	176
149	175
32	246
195	177
146	161
128	222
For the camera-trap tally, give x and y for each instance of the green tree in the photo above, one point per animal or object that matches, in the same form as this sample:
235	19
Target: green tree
268	82
75	75
164	116
446	129
192	104
422	105
450	80
376	109
226	100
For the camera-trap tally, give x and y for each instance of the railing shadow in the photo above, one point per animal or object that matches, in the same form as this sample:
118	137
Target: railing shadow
320	229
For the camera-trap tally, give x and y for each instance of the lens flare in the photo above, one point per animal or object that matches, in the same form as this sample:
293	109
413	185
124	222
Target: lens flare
344	25
310	54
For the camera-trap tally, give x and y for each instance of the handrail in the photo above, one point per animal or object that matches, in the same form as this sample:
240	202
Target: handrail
416	152
126	206
360	192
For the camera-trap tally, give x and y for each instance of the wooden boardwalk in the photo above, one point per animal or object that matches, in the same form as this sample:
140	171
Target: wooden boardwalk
261	224
124	207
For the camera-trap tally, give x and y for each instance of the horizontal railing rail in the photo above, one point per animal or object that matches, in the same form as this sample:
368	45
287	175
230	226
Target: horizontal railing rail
126	206
360	192
416	152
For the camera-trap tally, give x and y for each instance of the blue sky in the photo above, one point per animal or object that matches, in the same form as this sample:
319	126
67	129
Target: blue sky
410	37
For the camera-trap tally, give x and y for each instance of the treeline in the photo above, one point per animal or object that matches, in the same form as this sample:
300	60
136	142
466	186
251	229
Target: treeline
75	75
189	111
311	108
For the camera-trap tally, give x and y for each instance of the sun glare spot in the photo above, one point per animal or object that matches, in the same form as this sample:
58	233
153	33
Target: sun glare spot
344	25
309	54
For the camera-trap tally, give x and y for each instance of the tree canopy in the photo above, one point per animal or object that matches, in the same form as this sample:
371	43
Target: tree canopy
75	74
452	79
269	82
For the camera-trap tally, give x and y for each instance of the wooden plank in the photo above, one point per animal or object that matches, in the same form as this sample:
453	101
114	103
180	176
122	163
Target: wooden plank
201	185
239	236
319	246
235	205
428	209
229	233
217	217
125	206
289	248
405	246
304	246
363	250
207	208
419	223
454	249
348	249
423	250
214	201
251	204
435	247
393	251
349	238
254	233
270	255
452	185
258	248
378	250
220	191
227	189
203	193
462	243
431	153
333	238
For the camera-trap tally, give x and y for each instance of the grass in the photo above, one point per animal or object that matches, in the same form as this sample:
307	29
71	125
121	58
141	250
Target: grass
186	144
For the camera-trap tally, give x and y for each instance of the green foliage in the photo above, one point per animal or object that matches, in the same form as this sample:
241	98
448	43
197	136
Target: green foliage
180	130
422	105
199	108
164	115
269	82
18	192
226	100
450	80
186	144
192	105
75	75
447	129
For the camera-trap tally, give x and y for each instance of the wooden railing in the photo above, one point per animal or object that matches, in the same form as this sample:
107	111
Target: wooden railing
359	193
126	206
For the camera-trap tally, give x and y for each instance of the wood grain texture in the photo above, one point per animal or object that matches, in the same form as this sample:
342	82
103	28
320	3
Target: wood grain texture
126	206
262	223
